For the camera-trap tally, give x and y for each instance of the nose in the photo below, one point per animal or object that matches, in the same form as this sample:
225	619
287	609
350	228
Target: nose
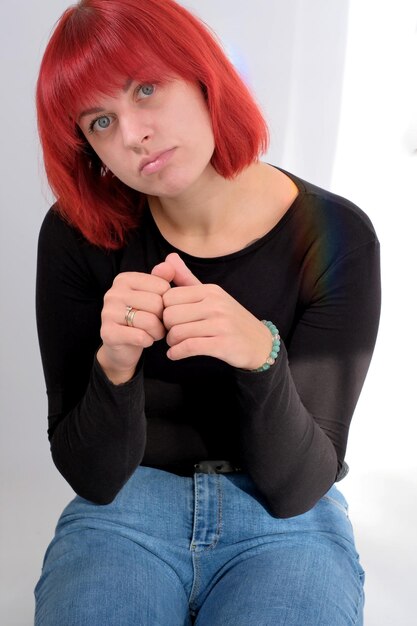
136	129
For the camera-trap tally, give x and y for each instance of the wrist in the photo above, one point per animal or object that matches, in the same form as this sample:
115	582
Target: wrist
275	347
116	374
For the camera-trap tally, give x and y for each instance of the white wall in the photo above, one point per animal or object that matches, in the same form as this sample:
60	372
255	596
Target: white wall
336	83
31	492
376	165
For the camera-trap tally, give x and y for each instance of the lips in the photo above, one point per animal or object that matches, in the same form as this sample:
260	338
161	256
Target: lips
156	161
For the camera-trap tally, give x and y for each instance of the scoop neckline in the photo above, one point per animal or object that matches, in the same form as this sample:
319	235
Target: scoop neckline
247	249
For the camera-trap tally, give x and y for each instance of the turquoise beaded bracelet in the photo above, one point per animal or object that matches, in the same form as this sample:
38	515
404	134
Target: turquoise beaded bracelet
276	347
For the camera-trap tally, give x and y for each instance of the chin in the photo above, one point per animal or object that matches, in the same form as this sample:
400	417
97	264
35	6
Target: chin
175	185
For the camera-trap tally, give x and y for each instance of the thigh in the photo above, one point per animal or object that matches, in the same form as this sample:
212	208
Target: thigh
297	581
95	578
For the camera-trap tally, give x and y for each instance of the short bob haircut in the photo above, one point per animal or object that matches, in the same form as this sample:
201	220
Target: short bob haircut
96	46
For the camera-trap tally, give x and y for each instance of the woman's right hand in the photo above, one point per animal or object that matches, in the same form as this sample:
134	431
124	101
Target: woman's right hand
123	345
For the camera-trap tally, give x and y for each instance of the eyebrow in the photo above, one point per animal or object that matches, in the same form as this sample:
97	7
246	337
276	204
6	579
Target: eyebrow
90	112
95	110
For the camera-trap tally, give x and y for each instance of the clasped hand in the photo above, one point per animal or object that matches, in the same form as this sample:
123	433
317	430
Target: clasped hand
196	318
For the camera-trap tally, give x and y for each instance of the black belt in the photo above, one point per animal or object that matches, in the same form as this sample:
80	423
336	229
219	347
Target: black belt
216	467
203	467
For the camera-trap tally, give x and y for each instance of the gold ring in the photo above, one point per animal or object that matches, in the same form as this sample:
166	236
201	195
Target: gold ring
130	315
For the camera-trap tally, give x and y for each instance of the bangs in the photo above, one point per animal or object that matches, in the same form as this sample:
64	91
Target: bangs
97	62
98	46
103	73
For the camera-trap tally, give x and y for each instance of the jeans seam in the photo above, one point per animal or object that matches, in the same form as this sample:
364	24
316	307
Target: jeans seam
195	587
359	616
219	509
337	504
219	517
196	570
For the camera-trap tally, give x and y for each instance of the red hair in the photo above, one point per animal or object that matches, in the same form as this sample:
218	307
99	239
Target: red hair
96	46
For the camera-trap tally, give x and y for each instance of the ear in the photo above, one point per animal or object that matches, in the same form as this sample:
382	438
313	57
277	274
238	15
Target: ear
182	275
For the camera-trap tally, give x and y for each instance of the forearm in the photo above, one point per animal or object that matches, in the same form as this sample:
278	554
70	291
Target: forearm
290	458
99	443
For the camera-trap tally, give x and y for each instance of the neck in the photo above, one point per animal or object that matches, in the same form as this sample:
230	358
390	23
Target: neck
210	206
225	215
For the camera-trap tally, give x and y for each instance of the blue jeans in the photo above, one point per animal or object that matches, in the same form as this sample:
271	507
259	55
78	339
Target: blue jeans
176	551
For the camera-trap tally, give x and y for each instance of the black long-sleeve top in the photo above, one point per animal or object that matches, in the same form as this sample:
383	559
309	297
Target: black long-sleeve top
315	275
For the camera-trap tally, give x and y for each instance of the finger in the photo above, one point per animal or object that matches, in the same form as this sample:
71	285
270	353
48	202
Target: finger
114	336
141	320
115	304
181	332
147	323
145	301
194	347
182	314
140	281
188	295
164	270
182	276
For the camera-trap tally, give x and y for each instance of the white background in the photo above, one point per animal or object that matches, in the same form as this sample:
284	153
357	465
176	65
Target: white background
337	82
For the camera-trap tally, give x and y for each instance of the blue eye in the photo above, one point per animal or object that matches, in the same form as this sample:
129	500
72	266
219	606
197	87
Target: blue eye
100	123
146	89
103	122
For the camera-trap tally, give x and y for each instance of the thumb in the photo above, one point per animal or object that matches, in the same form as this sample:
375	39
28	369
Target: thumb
164	270
183	277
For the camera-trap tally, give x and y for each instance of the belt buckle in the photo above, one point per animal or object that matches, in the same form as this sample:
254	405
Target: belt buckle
215	467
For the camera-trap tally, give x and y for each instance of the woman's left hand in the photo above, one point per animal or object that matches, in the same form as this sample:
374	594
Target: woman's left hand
205	320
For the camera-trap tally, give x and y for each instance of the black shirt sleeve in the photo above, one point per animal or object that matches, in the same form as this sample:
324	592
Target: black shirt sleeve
97	430
296	415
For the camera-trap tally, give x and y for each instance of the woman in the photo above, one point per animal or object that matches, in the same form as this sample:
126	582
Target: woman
203	444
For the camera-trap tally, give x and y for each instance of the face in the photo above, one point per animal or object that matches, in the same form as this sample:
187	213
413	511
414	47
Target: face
156	138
